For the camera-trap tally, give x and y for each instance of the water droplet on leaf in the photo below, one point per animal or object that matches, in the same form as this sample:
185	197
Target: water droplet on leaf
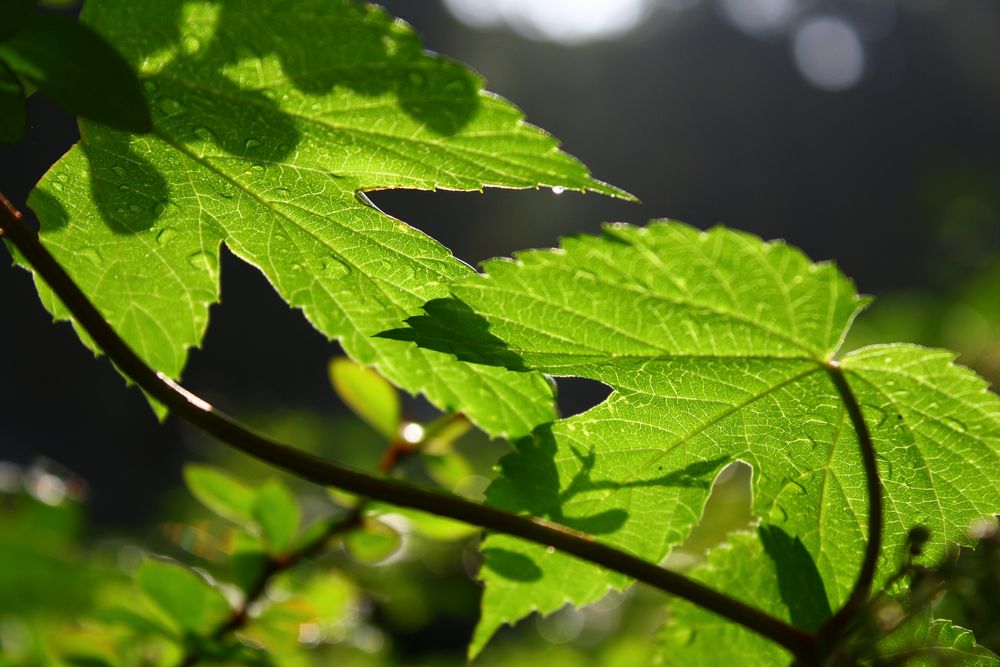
204	133
165	235
558	190
202	261
93	256
170	106
227	190
334	268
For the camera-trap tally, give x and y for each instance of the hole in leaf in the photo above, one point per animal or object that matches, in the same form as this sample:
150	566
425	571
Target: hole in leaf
728	509
576	395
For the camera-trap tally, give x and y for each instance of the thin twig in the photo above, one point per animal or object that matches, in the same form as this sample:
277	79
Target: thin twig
862	590
395	451
201	414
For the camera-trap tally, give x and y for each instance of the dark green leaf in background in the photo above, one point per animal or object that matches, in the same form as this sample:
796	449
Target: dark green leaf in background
13	113
13	14
78	70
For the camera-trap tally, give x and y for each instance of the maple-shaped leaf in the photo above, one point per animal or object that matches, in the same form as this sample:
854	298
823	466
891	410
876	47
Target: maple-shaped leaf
718	347
270	121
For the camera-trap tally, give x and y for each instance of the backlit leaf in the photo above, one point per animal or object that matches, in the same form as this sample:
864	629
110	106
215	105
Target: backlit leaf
270	121
718	348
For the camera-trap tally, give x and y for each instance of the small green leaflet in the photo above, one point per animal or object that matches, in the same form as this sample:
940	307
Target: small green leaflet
270	121
718	348
184	597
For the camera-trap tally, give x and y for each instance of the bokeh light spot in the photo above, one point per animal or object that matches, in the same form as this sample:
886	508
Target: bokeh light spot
828	53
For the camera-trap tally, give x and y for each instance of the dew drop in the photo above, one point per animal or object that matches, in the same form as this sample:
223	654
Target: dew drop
334	268
164	236
62	178
252	143
191	44
149	86
204	133
282	193
550	550
119	171
227	190
956	424
170	106
92	255
123	187
202	261
558	190
134	208
256	171
390	46
159	208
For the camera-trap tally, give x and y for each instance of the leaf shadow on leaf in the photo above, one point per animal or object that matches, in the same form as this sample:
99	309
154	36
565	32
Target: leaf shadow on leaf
49	209
216	118
118	177
530	482
799	581
511	565
438	93
449	325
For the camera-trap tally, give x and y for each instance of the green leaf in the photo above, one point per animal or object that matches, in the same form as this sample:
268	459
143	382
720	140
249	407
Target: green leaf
223	494
717	347
746	570
277	513
13	113
372	542
448	470
78	70
191	602
247	561
270	121
430	526
927	642
368	394
775	574
936	427
13	14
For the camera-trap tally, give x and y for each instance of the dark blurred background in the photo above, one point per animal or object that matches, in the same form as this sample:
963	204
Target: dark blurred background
863	131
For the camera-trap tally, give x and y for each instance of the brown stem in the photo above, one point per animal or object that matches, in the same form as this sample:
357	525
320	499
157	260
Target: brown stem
198	412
